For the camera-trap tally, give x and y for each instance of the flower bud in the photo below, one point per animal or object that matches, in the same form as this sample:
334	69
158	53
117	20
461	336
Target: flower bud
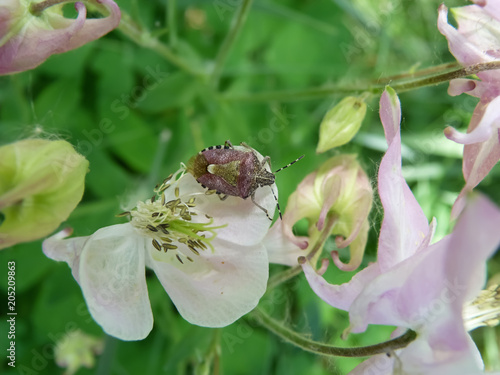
339	188
77	349
41	182
28	35
341	123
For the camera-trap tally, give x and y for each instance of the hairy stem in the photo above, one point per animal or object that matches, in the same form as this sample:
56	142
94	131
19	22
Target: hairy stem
319	348
402	84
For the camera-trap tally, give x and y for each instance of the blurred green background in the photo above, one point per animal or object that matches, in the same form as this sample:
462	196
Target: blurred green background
136	115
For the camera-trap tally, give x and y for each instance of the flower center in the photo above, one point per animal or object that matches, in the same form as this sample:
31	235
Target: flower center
484	310
171	223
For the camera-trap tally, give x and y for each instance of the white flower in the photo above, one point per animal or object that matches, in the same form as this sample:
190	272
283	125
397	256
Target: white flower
207	253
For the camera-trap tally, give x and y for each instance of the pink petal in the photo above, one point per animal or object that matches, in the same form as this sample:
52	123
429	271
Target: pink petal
95	28
36	42
492	7
390	114
340	296
216	289
33	46
427	291
465	50
404	226
460	85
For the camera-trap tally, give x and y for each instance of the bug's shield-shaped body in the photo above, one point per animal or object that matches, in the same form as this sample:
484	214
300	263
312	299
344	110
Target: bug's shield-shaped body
235	171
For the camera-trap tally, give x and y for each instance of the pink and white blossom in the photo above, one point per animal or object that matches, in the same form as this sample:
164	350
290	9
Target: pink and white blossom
208	254
27	40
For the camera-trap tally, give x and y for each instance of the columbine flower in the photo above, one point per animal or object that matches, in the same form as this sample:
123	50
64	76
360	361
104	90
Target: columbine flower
41	182
207	253
414	284
341	123
476	41
27	38
339	189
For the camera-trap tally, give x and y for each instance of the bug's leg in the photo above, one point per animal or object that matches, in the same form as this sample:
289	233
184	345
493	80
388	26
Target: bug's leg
221	196
246	146
262	208
210	192
267	160
228	144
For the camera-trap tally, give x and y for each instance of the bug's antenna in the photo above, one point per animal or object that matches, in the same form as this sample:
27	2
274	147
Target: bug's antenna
286	166
277	204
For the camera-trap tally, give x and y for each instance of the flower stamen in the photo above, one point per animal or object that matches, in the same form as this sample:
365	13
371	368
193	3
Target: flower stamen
155	215
484	310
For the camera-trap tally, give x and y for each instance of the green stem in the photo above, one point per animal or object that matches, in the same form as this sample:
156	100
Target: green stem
438	69
448	76
171	22
306	344
36	9
283	276
146	40
236	26
376	88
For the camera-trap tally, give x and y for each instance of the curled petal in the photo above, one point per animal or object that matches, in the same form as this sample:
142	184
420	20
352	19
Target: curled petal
339	296
95	28
38	37
481	157
216	289
357	249
490	121
65	251
461	85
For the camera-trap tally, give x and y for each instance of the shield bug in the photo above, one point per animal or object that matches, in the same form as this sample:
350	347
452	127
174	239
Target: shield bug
236	171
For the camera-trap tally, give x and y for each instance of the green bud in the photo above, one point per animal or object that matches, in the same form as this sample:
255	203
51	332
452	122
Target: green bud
341	123
77	349
41	183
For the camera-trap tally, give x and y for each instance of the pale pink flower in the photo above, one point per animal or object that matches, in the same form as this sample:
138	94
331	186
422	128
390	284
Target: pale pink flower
476	41
414	284
27	40
214	268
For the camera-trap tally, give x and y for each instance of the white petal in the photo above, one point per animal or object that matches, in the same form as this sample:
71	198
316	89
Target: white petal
245	222
65	250
280	248
113	282
216	289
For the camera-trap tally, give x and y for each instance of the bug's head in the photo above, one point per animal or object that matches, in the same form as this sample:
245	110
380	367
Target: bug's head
264	177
